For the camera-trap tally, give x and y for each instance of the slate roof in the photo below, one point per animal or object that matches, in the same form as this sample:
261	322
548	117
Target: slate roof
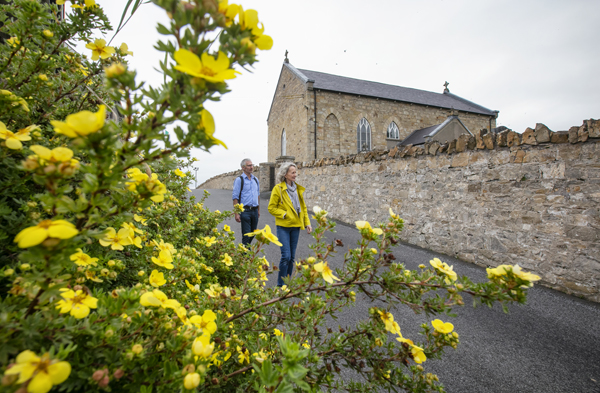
417	137
342	84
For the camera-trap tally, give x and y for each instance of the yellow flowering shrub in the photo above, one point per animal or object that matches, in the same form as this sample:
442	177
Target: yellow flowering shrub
112	278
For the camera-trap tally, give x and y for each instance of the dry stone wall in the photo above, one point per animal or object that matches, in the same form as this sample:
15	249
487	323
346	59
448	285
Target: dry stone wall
531	199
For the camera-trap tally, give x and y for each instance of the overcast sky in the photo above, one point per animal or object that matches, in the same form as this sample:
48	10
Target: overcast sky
534	61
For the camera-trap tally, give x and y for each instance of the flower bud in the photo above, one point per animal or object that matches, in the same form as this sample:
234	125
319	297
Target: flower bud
115	70
9	379
191	381
141	273
190	368
109	333
9	272
104	272
25	266
118	374
137	349
111	263
48	34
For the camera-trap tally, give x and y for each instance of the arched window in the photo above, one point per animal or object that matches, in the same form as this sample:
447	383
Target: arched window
363	136
283	143
393	132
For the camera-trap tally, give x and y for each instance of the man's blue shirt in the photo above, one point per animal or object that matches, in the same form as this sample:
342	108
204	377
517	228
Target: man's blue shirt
249	192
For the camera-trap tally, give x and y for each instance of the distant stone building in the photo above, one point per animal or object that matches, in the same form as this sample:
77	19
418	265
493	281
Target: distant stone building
450	129
355	115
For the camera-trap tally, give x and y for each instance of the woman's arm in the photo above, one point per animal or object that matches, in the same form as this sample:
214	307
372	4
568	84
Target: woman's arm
274	202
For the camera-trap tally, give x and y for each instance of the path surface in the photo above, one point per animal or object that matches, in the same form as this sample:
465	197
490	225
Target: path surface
549	345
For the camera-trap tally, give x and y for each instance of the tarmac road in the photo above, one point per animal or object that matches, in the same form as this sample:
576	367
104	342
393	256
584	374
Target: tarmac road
549	345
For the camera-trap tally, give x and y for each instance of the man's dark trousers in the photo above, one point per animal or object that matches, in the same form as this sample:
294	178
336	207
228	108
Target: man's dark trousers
249	224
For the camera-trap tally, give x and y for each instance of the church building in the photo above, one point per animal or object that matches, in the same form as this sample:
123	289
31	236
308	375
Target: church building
354	115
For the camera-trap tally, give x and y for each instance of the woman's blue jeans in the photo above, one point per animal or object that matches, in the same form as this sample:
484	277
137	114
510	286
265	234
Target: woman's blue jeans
288	237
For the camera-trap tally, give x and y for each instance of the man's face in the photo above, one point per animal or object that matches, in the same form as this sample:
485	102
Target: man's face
248	168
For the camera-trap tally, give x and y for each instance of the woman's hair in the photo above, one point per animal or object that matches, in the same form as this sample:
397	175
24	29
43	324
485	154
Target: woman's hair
283	170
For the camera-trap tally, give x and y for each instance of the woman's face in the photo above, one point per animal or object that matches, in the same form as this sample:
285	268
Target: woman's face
291	174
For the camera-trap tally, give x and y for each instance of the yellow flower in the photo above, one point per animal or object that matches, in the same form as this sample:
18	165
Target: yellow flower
442	327
249	21
526	276
48	34
229	11
116	240
132	229
393	215
164	260
58	229
206	322
157	298
209	240
207	123
278	332
100	50
13	41
366	225
91	275
124	49
137	349
13	141
244	355
140	219
179	173
162	246
115	70
191	381
388	319
157	279
211	69
82	259
227	260
202	347
214	290
88	4
77	303
41	372
43	77
265	235
416	351
374	251
81	123
226	228
58	154
443	268
323	268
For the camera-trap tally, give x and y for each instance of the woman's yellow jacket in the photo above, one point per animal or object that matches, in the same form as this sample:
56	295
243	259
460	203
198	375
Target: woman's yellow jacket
280	205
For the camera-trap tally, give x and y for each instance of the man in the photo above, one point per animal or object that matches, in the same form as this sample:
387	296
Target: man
246	191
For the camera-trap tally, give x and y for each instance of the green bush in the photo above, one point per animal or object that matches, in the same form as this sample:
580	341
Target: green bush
113	279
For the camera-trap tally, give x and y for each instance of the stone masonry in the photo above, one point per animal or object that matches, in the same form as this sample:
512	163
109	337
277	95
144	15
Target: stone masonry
531	199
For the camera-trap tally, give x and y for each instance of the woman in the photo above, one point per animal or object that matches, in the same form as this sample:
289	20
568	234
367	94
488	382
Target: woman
288	207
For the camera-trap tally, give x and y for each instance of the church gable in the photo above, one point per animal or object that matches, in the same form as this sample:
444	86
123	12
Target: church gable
287	114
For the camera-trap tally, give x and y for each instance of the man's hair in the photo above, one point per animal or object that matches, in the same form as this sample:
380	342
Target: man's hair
283	170
243	163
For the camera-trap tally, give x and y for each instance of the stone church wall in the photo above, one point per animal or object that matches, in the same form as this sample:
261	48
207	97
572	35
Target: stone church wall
336	135
289	113
531	199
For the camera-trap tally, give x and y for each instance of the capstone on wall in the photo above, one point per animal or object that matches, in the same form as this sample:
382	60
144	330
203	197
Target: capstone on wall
531	199
225	181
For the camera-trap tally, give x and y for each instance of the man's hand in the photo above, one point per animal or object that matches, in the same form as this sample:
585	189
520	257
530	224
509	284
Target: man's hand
238	218
308	229
259	214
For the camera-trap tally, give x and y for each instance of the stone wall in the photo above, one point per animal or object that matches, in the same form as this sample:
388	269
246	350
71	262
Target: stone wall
531	199
224	181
